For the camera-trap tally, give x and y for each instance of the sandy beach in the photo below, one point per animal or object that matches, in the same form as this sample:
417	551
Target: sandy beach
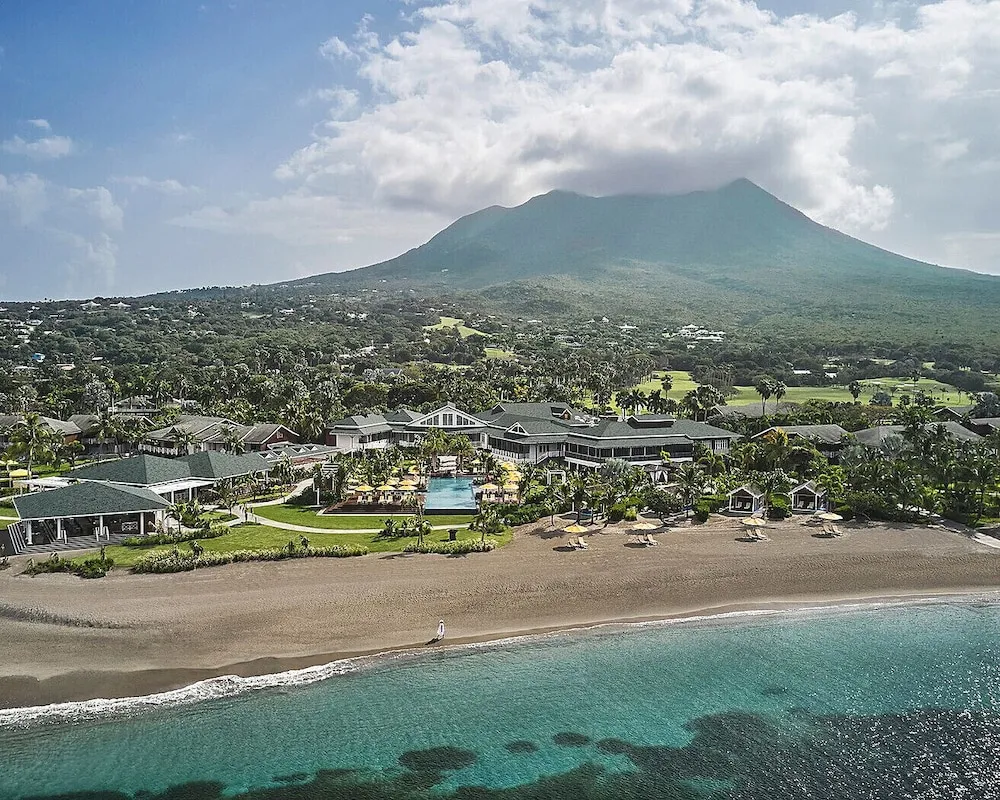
63	638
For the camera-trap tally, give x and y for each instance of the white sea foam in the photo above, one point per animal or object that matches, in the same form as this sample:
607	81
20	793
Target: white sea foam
233	685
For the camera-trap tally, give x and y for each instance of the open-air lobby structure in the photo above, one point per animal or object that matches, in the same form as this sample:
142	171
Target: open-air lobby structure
124	496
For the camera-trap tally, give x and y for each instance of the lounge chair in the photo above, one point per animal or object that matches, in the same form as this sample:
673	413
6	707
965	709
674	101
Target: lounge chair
581	544
835	531
650	540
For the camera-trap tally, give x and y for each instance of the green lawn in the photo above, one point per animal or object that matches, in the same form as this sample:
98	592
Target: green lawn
262	537
940	392
497	353
299	515
454	322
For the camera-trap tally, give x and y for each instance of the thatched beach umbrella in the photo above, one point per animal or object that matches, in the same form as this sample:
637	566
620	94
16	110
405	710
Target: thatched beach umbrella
574	528
644	526
364	487
754	522
829	516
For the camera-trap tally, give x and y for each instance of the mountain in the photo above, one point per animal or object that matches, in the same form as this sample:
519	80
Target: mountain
737	253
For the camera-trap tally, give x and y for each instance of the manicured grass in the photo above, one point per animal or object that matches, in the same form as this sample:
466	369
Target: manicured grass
299	515
497	353
262	537
454	322
682	383
940	392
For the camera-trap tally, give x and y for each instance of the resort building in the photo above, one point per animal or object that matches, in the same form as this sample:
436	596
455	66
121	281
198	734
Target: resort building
828	439
537	432
70	432
877	436
196	433
124	496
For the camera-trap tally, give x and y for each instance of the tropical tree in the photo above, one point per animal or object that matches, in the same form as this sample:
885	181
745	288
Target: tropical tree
488	522
765	388
854	387
779	391
30	441
692	483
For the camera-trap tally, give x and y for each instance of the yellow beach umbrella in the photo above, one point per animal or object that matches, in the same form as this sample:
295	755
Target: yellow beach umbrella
489	487
385	487
754	522
510	487
19	473
644	526
364	487
574	528
827	516
406	488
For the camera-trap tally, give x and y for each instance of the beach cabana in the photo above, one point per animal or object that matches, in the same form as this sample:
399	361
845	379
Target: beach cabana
746	499
808	497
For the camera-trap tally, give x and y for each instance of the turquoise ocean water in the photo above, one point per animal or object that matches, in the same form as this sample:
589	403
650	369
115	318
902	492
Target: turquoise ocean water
864	702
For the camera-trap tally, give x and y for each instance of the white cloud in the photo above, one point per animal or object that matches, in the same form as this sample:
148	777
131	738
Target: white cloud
72	226
40	123
100	203
335	49
477	102
168	186
49	147
26	195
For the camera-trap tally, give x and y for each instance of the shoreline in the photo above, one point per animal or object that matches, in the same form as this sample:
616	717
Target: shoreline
133	636
141	685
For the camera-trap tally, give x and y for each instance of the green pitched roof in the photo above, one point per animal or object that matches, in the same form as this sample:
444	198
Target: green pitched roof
143	470
213	464
87	499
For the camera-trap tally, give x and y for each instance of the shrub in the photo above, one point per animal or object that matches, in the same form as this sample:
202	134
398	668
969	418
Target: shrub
780	508
716	502
617	512
4	562
702	510
631	514
514	514
174	538
94	567
164	561
874	506
460	547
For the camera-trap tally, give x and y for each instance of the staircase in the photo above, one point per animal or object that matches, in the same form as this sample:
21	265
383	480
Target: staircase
12	541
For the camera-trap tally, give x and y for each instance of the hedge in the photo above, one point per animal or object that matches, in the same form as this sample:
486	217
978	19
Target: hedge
174	538
164	561
460	547
96	567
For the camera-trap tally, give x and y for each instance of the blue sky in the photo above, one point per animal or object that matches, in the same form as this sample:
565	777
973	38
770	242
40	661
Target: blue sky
148	146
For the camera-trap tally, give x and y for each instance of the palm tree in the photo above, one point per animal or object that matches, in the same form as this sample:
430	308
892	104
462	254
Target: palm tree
232	442
779	391
765	388
30	441
774	484
691	481
854	387
666	382
106	429
488	522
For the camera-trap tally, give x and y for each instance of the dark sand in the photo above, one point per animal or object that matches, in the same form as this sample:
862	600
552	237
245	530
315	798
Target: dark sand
62	638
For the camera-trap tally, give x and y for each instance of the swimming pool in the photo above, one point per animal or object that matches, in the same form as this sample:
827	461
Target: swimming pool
450	494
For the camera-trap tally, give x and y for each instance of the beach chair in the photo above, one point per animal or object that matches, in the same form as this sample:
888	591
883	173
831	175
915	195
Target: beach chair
650	540
835	531
581	543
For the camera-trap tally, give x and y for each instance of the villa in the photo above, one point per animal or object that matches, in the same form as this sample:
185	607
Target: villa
214	433
828	439
537	432
69	430
876	437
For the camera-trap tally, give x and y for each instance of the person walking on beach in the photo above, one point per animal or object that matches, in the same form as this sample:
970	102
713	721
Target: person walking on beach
440	635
